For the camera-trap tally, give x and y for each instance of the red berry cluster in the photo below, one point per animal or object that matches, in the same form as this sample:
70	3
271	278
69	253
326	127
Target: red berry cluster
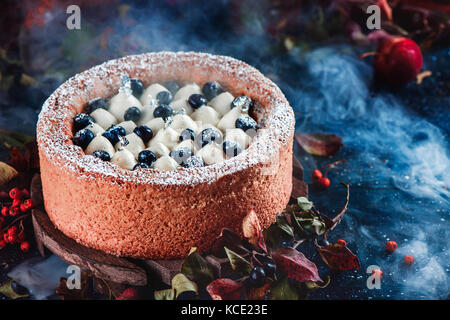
15	233
321	179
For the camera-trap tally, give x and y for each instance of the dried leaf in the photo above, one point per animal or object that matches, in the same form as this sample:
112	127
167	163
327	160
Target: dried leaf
7	290
229	239
338	257
259	293
299	188
283	289
295	265
7	173
180	283
319	144
197	269
238	263
167	294
224	289
252	230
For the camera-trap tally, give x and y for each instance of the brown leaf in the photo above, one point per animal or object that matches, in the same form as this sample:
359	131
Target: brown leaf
295	265
229	239
260	293
252	230
7	173
224	289
338	257
319	144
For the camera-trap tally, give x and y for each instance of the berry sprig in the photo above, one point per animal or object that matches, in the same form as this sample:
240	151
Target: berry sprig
18	207
321	179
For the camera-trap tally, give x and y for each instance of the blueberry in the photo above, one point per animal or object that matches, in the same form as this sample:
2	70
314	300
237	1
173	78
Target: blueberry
132	114
197	100
102	155
97	103
242	102
187	134
113	133
163	111
172	86
82	120
119	130
83	137
193	162
245	123
144	132
137	87
257	277
147	157
211	90
209	135
164	97
181	155
231	148
270	269
141	165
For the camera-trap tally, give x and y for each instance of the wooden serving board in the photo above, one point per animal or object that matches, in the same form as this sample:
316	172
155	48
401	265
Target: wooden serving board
119	270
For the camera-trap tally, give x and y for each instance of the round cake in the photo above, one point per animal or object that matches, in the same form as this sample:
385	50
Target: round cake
128	197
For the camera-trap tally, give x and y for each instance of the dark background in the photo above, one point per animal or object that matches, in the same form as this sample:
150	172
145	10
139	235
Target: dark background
395	139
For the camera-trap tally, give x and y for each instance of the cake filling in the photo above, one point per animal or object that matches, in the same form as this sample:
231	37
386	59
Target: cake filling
165	126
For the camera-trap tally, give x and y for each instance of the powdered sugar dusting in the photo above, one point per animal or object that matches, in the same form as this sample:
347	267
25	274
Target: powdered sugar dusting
54	129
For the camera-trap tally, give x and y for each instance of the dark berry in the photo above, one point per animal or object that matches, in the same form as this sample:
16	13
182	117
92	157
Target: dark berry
97	103
187	134
209	135
144	132
102	155
231	148
137	87
172	86
147	157
193	162
242	102
197	100
270	269
82	120
181	155
245	123
83	137
164	97
257	277
141	165
113	133
163	111
132	114
119	130
211	90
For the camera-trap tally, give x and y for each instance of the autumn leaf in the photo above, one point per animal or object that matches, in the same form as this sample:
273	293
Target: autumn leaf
7	173
7	290
238	263
315	285
229	239
167	294
252	230
197	269
295	265
224	289
319	144
283	289
338	257
259	293
180	283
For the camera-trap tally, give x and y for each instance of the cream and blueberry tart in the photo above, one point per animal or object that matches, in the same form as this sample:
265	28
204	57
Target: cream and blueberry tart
149	155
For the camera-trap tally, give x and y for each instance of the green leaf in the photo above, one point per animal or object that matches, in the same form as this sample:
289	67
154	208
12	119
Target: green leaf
238	263
7	290
274	236
180	283
167	294
304	204
11	138
197	269
283	289
283	224
315	286
7	173
306	224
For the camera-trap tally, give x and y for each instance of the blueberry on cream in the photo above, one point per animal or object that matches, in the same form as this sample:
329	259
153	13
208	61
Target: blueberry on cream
167	126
